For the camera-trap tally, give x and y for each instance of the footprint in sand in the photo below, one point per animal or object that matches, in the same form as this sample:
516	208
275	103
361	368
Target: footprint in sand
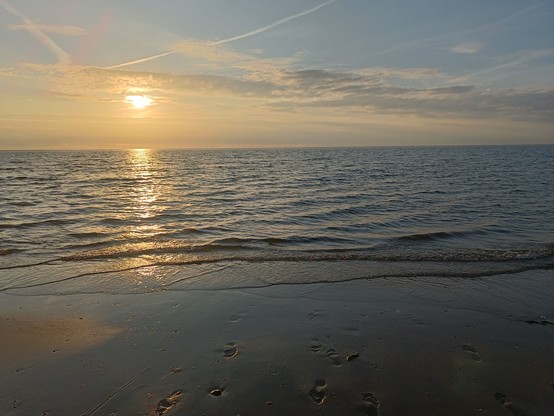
217	391
473	352
230	350
317	314
331	353
236	317
316	345
317	393
370	404
415	320
333	357
165	405
542	322
508	404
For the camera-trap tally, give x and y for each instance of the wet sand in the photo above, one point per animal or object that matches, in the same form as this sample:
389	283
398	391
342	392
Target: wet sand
26	339
406	346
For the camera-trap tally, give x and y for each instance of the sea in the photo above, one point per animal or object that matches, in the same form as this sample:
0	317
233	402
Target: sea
136	221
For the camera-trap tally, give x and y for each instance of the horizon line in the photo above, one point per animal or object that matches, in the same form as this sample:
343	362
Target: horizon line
126	149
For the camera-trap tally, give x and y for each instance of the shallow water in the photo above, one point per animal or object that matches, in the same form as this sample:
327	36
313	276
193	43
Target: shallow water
92	216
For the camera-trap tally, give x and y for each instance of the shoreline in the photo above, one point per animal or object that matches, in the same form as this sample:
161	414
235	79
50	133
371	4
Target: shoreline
370	347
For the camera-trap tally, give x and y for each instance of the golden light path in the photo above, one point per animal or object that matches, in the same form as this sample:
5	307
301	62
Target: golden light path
139	101
145	202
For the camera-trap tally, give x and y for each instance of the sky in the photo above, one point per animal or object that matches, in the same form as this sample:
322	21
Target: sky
265	73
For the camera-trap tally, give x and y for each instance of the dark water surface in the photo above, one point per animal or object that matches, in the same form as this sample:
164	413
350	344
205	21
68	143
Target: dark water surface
140	220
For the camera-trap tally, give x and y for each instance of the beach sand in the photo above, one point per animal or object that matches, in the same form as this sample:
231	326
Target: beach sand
395	346
25	339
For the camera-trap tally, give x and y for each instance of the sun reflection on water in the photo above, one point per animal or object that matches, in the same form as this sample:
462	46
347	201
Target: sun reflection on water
145	196
146	191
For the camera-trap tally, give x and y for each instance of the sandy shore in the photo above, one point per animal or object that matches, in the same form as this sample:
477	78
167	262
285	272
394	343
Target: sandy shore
421	346
26	339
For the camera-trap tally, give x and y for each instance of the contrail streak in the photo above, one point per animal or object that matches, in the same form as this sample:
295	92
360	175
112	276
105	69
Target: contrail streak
231	39
63	57
271	26
138	61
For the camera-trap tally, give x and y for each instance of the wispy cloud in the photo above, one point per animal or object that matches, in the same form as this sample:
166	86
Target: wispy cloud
207	56
519	59
62	56
65	30
403	73
467	47
229	39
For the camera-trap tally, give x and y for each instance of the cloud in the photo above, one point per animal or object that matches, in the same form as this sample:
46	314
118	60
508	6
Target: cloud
515	60
467	47
38	34
270	86
206	56
403	73
229	39
373	93
65	30
86	83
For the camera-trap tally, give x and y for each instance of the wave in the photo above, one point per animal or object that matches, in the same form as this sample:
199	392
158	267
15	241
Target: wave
144	249
25	225
269	249
31	179
8	251
336	213
91	234
293	240
442	235
23	203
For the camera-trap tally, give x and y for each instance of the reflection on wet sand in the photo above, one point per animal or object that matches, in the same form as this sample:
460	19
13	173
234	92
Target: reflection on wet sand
26	339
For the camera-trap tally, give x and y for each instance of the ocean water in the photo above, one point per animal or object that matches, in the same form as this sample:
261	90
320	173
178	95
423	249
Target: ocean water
145	220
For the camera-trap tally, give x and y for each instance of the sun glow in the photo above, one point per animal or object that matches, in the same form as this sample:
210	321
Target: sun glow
139	101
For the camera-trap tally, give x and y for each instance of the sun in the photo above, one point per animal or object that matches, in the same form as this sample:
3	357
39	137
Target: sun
139	101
